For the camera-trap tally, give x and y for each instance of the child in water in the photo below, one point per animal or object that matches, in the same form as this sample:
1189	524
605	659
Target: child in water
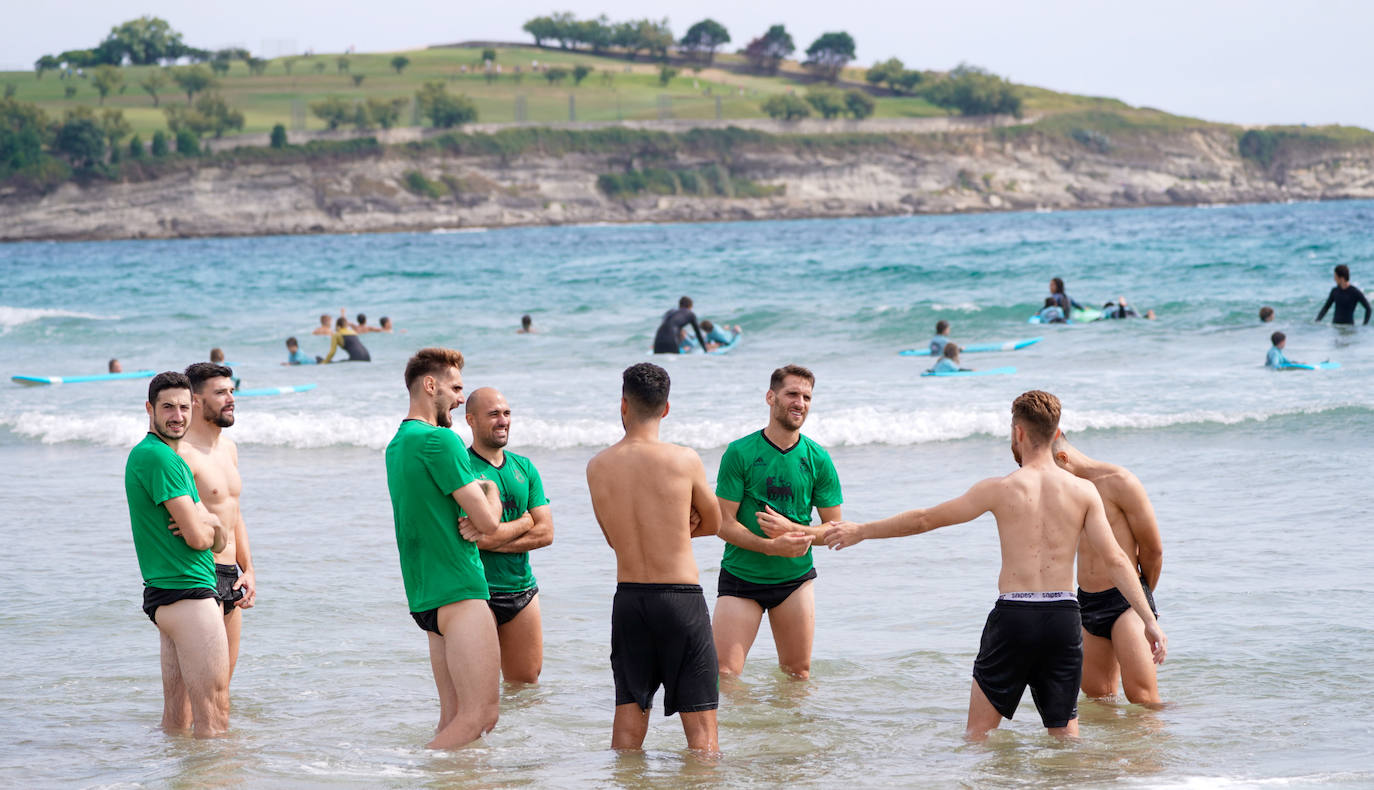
941	339
1051	313
948	361
1275	359
294	355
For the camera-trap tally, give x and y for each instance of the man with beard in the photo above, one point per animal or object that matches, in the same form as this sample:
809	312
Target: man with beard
768	483
214	461
174	538
526	524
429	478
1033	635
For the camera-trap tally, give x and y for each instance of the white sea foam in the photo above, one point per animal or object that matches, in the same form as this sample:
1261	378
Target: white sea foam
11	317
961	307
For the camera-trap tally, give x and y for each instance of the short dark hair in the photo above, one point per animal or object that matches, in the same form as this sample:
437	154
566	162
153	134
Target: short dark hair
340	322
645	387
1049	301
1343	271
1266	313
1038	412
950	351
941	326
291	341
216	355
384	320
200	372
167	380
1277	337
429	361
780	375
110	365
707	325
362	319
685	302
525	320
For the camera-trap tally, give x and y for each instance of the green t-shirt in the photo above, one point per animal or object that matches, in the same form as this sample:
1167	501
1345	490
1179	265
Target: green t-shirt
754	472
154	474
521	489
425	464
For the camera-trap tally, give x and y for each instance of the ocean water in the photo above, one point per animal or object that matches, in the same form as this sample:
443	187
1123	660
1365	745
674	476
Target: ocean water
1260	481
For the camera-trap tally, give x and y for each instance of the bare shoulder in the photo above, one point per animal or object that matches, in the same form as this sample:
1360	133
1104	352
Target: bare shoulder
1121	483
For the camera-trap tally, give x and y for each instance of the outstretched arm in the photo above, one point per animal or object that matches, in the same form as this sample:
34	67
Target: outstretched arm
974	503
1123	573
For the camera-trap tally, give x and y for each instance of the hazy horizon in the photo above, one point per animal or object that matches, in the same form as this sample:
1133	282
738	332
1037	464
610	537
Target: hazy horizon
1261	62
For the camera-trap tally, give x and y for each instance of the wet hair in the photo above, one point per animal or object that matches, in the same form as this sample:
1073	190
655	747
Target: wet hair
1037	412
951	351
780	375
324	320
941	326
1049	301
167	380
1266	313
201	372
341	323
525	321
645	387
111	365
291	341
216	355
1057	285
1277	337
384	321
362	319
431	361
685	302
707	326
1343	271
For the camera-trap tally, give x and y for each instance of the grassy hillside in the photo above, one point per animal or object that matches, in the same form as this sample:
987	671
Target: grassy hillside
616	89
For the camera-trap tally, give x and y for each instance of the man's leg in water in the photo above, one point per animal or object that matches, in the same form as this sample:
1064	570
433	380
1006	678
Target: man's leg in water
1135	658
522	645
176	706
734	626
794	630
233	628
629	727
1099	665
200	655
982	716
700	729
471	660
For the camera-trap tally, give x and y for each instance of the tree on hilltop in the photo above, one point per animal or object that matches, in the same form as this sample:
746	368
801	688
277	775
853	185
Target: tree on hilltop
45	63
333	110
704	38
144	41
399	63
887	72
975	91
828	54
193	80
443	109
767	52
541	27
106	79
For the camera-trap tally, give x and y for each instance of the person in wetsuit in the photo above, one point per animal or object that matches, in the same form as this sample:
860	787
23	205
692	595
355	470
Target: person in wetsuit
345	338
665	339
1060	298
1344	296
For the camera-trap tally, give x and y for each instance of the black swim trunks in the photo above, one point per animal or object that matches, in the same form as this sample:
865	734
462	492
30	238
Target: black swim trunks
765	595
661	636
1101	609
153	597
1035	643
506	605
428	620
225	576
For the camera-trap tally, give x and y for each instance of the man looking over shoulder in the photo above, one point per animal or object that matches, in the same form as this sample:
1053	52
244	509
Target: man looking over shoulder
651	498
1033	635
526	524
429	477
768	483
174	537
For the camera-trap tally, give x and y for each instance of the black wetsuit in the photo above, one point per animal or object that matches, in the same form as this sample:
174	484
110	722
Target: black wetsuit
665	339
1345	300
1065	303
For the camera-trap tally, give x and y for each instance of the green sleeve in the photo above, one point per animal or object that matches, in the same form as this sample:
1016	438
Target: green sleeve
826	490
730	479
537	497
168	478
447	461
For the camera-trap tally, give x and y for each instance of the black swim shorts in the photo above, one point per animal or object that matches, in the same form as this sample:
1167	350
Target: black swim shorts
1101	609
225	576
1035	643
153	597
506	605
661	636
765	595
428	620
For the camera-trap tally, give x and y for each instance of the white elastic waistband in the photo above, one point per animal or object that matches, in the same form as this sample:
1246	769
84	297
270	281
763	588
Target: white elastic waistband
1062	595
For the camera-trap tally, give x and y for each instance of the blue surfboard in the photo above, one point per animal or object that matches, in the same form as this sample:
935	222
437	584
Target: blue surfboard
1011	345
1077	316
1318	366
273	390
39	380
990	372
723	348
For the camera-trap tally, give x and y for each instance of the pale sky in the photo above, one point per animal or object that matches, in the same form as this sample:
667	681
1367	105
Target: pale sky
1240	61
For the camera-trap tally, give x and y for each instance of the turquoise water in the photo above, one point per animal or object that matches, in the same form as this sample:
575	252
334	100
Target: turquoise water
1258	479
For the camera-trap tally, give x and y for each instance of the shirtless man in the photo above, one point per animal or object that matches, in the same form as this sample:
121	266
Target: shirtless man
651	498
214	461
324	328
429	477
1033	635
1113	637
526	524
768	483
175	537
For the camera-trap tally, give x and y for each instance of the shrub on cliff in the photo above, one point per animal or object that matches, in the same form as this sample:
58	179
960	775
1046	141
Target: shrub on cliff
333	110
159	146
278	136
187	143
975	91
444	111
785	107
81	141
416	182
826	101
859	104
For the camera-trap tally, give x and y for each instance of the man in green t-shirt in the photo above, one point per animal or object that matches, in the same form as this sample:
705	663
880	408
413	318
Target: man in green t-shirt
428	476
174	537
768	483
526	524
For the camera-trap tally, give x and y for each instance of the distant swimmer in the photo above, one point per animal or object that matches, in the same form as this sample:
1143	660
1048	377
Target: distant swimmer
651	498
362	327
1114	644
294	355
717	337
1266	314
768	484
217	358
115	367
323	328
665	339
1122	309
1051	313
1275	358
386	325
526	525
214	462
429	476
175	537
1344	297
1060	298
347	339
526	325
1033	635
941	339
948	361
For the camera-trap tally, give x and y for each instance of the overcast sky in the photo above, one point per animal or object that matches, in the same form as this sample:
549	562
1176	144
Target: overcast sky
1241	61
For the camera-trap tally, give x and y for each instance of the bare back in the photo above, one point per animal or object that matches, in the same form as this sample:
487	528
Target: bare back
216	470
643	493
1041	513
1124	500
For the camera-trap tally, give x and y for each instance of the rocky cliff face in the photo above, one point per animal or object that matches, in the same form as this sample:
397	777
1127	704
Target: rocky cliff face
972	171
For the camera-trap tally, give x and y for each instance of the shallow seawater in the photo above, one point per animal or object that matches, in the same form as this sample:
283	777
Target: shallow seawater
1259	481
